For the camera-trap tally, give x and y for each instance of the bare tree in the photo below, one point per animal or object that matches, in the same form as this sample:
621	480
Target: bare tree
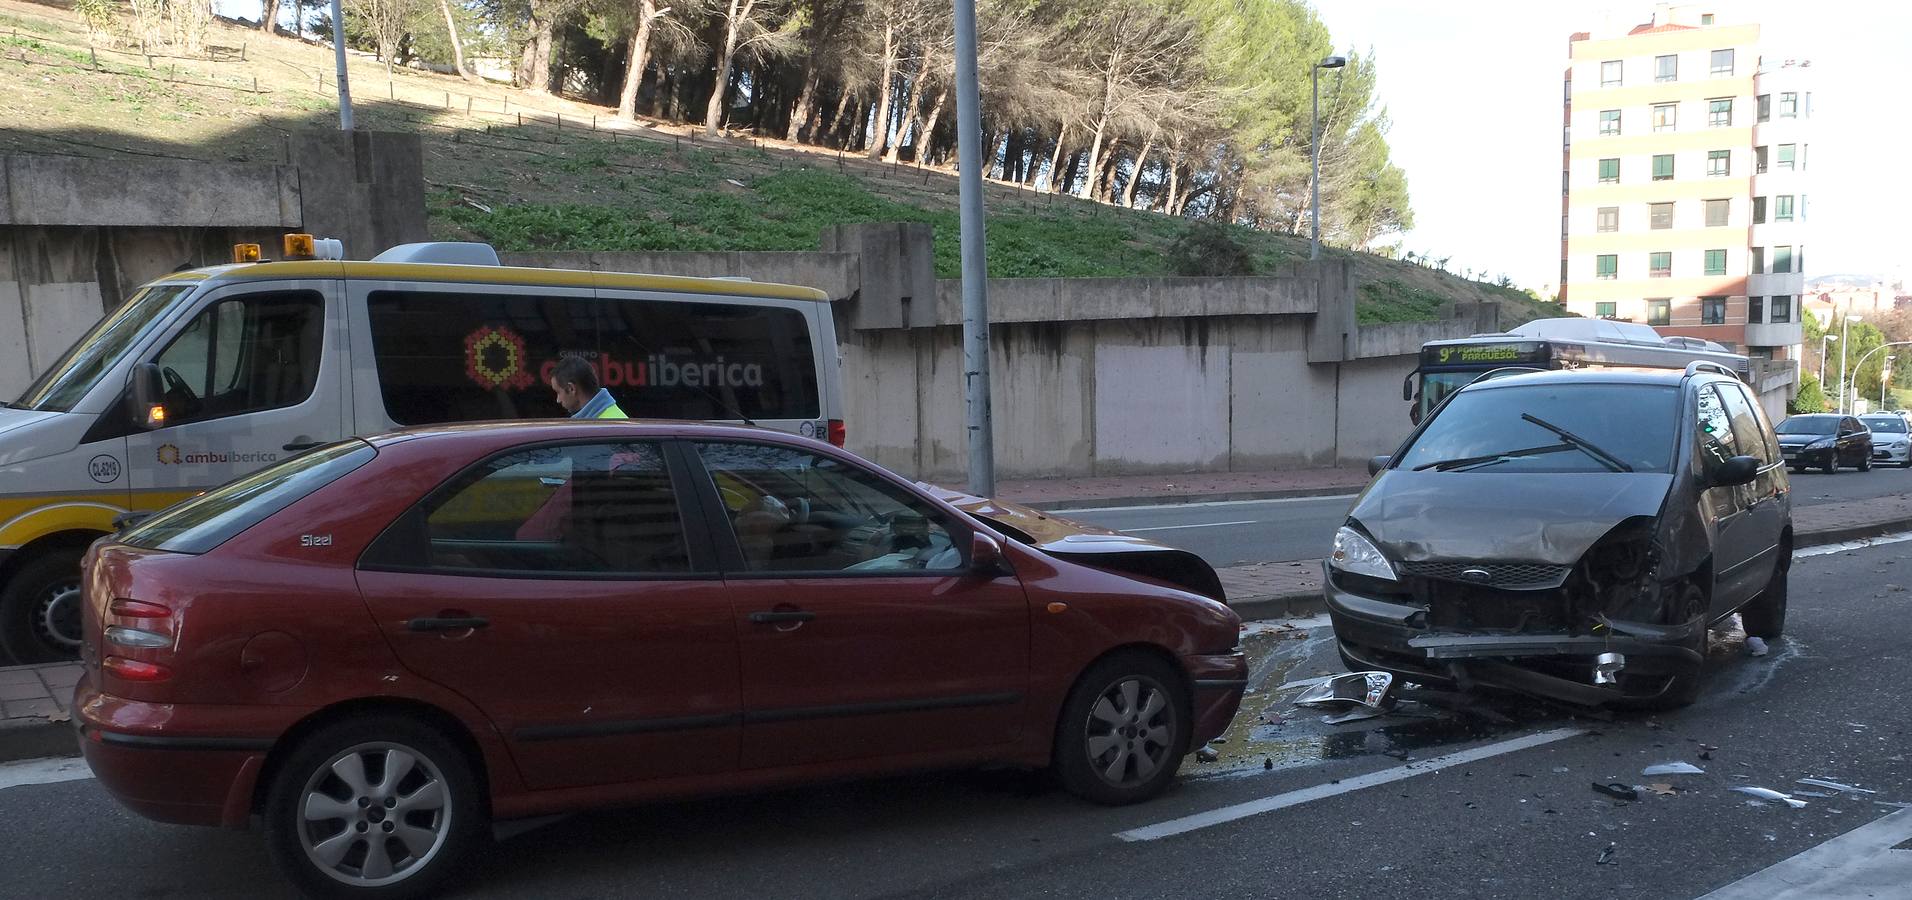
457	44
386	20
269	16
746	29
651	21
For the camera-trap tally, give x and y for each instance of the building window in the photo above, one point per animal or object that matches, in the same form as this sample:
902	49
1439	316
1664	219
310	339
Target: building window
1606	309
1759	210
1755	310
1565	181
1765	107
1608	219
1713	310
1661	215
1610	73
1719	163
1609	121
1782	260
1782	208
1759	261
1715	262
1666	116
1666	68
1782	309
1722	62
1606	266
1706	18
1717	212
1759	160
1663	167
1719	112
1802	207
1788	105
1787	153
1610	171
1659	265
1659	311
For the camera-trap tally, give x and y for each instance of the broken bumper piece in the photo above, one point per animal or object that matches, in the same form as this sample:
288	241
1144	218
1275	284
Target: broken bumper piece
1392	636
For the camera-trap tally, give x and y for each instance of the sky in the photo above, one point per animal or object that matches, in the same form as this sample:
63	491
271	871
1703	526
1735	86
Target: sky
1473	90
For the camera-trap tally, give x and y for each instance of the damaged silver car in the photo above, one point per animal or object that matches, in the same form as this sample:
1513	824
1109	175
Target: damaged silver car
1569	535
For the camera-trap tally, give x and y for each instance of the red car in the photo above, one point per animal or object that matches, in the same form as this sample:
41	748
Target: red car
380	645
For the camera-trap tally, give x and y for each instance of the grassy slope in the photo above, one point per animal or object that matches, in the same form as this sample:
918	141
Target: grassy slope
657	187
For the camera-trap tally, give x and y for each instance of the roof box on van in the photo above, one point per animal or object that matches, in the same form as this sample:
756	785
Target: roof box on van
450	253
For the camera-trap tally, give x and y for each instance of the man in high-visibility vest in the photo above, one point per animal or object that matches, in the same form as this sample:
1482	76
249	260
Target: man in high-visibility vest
576	385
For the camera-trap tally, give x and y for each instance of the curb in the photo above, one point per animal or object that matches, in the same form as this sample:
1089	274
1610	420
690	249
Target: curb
1178	499
36	739
1850	533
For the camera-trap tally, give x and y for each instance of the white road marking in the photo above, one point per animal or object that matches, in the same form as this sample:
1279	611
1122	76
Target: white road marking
1858	864
42	771
1829	549
1227	814
1199	525
1071	512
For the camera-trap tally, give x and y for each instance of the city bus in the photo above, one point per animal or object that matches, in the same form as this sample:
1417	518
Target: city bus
1568	343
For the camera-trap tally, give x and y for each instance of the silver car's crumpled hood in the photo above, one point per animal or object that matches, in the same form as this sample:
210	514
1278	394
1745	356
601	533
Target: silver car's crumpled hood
1469	516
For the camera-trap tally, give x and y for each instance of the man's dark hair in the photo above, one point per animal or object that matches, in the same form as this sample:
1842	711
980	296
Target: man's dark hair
575	371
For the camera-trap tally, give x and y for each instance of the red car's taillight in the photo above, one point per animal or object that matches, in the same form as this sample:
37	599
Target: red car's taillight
135	670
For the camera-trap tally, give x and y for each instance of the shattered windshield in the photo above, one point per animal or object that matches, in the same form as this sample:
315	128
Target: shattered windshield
1809	425
1612	427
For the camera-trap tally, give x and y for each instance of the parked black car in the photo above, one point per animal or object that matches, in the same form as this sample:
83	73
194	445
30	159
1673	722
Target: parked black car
1826	440
1568	534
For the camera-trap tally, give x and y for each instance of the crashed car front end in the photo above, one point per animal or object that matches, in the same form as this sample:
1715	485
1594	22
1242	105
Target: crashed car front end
1577	597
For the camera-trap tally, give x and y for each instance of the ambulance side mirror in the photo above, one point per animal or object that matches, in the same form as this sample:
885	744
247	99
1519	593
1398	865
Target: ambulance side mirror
149	397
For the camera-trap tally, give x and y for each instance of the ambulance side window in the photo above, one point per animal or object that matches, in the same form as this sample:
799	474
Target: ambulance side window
244	354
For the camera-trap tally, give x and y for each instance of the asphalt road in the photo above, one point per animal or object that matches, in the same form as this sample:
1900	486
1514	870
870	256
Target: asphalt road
1237	533
1298	809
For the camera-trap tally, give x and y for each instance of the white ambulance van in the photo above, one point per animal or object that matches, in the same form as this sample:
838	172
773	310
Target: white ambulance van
205	375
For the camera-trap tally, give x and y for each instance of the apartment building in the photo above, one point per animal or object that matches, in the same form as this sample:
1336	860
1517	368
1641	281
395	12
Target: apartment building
1683	183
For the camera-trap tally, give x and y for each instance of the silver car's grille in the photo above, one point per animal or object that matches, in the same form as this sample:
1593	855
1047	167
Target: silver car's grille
1506	576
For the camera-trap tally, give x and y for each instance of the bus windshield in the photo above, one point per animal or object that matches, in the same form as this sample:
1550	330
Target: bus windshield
65	382
1435	386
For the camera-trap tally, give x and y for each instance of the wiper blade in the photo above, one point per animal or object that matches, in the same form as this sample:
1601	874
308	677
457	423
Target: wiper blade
1448	465
1592	449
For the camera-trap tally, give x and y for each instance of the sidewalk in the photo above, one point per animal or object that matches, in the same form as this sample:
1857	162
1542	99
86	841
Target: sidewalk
1194	487
34	699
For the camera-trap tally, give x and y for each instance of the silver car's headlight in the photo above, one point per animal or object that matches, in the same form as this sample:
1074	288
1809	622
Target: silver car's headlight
1356	555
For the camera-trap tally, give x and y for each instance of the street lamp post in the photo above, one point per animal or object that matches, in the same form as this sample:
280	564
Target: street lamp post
1868	355
1845	374
969	154
1825	340
1314	101
338	57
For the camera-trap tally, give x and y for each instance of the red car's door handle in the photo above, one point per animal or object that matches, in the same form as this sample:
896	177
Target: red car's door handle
773	618
446	623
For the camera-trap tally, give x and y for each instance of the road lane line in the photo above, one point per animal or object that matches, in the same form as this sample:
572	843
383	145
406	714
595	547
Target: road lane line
1072	511
1198	525
1828	549
1859	863
42	771
1227	814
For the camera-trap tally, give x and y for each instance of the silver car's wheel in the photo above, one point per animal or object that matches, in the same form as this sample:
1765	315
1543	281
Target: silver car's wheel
374	814
1130	732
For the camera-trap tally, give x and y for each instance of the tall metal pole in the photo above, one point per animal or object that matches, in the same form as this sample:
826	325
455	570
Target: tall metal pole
1845	376
1314	150
338	54
975	271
